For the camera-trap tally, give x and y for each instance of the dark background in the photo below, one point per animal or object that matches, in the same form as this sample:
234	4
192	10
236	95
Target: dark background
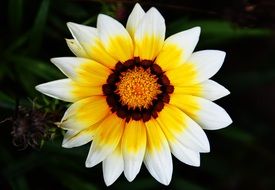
31	157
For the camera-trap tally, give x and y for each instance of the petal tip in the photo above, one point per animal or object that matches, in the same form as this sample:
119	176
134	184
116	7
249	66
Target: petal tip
166	181
40	88
70	25
101	17
155	13
138	6
54	60
197	30
89	164
65	145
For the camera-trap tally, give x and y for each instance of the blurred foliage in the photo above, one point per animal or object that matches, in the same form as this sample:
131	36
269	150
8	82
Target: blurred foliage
242	155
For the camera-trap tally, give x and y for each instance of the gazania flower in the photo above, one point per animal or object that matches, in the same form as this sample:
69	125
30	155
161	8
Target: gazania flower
137	96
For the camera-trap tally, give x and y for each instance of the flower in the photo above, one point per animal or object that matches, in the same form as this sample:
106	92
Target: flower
137	96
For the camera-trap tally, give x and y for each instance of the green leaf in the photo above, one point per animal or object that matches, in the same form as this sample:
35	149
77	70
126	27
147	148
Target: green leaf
19	183
6	101
251	79
237	135
71	181
145	183
38	29
35	67
17	167
15	15
179	183
216	31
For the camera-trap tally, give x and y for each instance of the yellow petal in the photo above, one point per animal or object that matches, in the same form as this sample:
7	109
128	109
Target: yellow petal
187	103
115	38
195	90
79	91
184	75
85	113
149	36
155	136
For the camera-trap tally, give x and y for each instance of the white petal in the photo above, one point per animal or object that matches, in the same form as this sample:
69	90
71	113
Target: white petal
115	38
76	138
113	166
207	63
194	137
184	154
58	89
68	65
213	91
158	159
160	166
83	34
211	116
134	19
150	34
76	48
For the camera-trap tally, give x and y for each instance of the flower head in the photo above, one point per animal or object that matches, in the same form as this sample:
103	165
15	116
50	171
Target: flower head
138	96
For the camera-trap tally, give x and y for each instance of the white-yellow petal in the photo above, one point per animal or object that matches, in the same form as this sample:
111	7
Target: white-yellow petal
177	126
58	89
206	113
85	113
149	36
208	89
115	38
178	48
201	66
133	148
134	19
158	159
86	72
88	38
106	139
77	138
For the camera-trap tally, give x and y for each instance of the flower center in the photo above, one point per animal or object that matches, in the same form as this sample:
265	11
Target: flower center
138	88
